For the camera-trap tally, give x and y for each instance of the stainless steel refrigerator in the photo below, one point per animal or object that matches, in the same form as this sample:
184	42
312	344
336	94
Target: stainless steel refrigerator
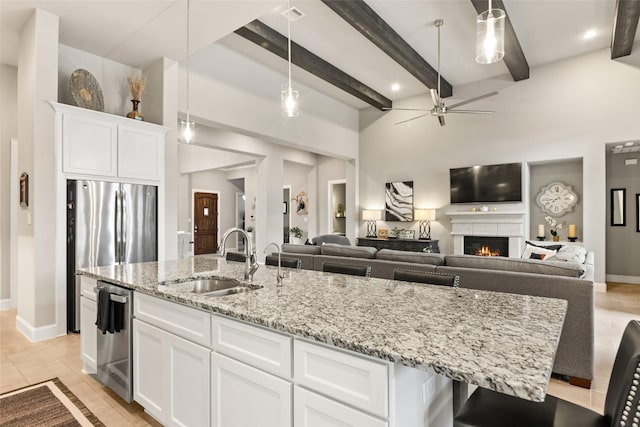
108	223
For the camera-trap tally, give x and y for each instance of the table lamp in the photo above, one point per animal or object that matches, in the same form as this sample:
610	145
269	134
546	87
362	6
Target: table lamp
425	216
371	216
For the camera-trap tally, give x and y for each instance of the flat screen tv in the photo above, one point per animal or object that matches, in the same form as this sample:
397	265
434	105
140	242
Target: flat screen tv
486	184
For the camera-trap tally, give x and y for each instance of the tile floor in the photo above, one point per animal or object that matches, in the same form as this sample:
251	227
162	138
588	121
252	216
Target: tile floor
23	362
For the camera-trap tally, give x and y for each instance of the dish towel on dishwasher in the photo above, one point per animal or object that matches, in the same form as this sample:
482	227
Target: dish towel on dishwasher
110	316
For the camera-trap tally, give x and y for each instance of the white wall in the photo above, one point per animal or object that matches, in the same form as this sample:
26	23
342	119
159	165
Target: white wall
8	129
568	109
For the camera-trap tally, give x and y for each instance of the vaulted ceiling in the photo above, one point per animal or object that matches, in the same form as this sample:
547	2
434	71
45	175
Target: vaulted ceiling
360	47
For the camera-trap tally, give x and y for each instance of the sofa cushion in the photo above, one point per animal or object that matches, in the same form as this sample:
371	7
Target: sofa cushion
330	238
300	249
348	251
414	257
555	268
538	252
572	253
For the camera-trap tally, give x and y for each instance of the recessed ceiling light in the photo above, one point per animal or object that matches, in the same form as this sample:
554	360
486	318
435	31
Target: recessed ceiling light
589	34
395	87
628	144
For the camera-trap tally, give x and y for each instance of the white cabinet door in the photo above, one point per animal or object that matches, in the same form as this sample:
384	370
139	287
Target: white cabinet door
140	153
245	396
149	374
313	410
89	146
188	398
88	334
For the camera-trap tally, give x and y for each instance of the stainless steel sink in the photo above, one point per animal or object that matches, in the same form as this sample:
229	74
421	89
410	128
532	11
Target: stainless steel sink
219	287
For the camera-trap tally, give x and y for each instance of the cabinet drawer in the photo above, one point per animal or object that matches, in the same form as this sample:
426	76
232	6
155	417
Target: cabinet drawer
311	410
189	323
258	347
87	287
352	379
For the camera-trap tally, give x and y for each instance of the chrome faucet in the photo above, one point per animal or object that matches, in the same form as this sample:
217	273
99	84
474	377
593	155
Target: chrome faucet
280	276
251	260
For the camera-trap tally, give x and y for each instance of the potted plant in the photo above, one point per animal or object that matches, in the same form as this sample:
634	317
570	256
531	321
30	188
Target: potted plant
296	235
396	232
555	226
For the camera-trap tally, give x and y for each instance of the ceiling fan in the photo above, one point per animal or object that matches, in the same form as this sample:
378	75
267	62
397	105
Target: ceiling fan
439	109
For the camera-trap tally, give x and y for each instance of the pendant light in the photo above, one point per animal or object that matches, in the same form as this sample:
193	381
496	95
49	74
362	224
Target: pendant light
289	96
490	37
187	126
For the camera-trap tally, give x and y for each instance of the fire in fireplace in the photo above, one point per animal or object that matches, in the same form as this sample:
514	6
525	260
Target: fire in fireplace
486	246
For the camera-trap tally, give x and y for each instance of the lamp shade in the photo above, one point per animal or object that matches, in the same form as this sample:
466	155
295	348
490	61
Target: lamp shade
371	215
424	214
490	36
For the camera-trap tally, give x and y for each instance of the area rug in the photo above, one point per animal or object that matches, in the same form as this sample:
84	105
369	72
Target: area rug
49	403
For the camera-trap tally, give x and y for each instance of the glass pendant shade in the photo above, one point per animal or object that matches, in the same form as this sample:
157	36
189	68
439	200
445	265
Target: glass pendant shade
289	101
490	36
187	130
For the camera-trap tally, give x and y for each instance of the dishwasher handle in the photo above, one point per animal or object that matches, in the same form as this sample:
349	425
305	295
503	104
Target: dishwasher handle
113	297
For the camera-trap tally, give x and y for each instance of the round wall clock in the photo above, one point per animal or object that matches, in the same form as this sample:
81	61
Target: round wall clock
557	199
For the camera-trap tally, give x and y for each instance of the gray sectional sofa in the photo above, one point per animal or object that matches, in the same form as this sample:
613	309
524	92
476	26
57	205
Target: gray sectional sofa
554	279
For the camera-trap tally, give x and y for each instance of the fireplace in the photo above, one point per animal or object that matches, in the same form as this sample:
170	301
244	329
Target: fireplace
486	246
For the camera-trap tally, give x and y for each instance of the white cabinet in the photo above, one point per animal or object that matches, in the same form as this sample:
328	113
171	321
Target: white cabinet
106	145
313	410
171	373
140	153
88	329
246	396
89	146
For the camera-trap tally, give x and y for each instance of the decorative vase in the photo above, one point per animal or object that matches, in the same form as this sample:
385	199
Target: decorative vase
135	114
556	238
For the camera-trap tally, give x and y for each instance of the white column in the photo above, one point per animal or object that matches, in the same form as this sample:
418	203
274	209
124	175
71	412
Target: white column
269	178
353	198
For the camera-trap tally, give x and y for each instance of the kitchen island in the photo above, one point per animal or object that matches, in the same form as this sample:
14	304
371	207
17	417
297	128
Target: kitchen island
503	342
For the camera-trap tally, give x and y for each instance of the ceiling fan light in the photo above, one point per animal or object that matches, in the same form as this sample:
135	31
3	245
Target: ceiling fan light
490	36
289	101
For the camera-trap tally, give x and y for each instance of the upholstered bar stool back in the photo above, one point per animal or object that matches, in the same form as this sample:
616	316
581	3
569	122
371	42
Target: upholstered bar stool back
354	270
487	408
426	277
284	261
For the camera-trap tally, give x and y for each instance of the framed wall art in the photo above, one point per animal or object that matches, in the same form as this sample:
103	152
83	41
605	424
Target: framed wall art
399	201
24	190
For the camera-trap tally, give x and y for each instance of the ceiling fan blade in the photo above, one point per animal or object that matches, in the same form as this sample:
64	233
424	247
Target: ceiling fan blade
441	120
477	98
435	97
408	120
406	109
469	111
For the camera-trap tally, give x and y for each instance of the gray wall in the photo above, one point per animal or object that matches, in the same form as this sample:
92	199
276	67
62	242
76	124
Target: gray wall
623	243
568	172
297	176
339	196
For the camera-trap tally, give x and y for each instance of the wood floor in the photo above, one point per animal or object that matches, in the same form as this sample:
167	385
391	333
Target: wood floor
23	362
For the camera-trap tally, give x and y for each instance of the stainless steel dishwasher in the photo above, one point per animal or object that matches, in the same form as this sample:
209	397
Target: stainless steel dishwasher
114	357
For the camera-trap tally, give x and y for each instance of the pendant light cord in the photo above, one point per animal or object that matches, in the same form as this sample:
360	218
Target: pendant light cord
188	55
439	59
289	40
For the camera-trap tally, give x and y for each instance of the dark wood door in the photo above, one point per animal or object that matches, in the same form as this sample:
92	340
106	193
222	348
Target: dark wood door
205	223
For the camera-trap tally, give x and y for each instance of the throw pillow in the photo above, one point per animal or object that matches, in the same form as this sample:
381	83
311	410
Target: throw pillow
531	249
537	256
550	247
572	253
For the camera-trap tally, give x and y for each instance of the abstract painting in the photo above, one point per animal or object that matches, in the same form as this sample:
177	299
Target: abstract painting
399	201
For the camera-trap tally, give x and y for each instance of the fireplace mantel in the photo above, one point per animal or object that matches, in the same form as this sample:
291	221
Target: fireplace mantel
509	224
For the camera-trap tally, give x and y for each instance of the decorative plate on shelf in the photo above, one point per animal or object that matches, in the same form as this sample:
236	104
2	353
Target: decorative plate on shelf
85	90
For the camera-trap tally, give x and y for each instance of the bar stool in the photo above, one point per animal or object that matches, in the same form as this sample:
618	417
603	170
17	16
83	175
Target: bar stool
354	270
427	277
284	262
487	408
236	256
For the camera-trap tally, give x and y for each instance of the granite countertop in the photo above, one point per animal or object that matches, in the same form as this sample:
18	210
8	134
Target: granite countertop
504	342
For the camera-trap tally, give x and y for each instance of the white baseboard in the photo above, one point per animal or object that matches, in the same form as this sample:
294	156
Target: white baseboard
7	304
40	333
635	280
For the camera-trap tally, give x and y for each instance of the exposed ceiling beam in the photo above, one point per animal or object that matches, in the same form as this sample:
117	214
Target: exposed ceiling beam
624	27
514	57
364	19
276	43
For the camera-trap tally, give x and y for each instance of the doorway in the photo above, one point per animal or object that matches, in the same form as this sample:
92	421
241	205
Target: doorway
286	212
205	223
337	202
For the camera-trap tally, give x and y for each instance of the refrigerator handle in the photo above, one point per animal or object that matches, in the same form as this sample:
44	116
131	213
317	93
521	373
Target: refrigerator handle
123	226
118	226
